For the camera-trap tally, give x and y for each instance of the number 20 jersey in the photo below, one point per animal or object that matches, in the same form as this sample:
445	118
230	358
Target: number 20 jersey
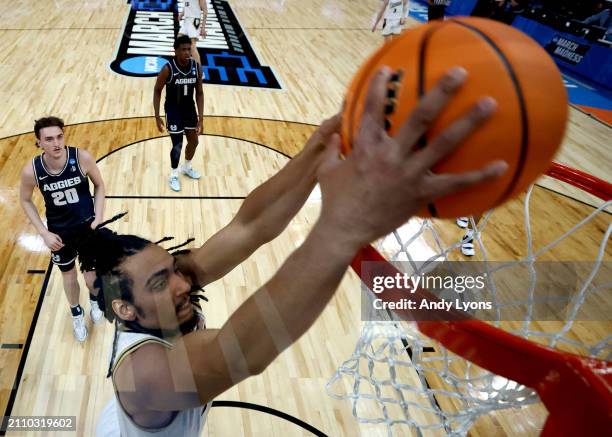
68	201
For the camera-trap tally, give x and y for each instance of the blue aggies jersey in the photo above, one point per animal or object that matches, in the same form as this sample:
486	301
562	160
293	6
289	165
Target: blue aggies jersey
68	201
180	85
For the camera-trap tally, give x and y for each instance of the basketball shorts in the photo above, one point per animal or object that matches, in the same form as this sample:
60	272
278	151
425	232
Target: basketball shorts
391	27
76	243
179	119
191	27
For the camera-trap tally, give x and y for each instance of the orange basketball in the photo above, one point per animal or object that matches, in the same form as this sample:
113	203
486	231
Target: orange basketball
502	62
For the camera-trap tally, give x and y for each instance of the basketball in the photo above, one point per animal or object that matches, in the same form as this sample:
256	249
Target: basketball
502	62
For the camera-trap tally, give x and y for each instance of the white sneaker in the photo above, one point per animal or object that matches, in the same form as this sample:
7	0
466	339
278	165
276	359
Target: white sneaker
174	183
79	328
467	243
468	237
463	222
190	172
467	249
95	313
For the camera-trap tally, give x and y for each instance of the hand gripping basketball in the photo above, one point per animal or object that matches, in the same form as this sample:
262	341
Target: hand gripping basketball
384	182
502	62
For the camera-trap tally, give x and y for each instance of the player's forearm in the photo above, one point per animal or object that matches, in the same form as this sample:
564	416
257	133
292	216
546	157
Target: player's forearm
156	100
33	215
271	206
285	308
200	103
378	18
99	197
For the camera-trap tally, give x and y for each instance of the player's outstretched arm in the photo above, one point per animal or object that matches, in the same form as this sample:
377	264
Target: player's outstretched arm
357	209
264	214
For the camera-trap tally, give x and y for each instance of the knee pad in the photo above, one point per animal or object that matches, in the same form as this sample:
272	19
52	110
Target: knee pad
175	153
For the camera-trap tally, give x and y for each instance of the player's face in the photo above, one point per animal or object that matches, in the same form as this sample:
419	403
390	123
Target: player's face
183	53
52	141
160	292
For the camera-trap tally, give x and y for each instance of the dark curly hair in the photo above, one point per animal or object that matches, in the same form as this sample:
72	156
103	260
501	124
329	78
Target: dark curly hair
106	250
111	249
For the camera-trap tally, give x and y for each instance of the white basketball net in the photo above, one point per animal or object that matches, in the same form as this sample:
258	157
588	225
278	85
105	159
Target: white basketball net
395	380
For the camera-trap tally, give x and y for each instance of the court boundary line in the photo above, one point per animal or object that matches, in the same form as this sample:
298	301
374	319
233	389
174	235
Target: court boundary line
201	135
153	116
312	28
591	116
26	348
272	412
28	29
175	197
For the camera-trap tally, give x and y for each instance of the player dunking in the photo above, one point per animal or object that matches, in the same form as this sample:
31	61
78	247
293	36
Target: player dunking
61	173
165	373
181	76
193	24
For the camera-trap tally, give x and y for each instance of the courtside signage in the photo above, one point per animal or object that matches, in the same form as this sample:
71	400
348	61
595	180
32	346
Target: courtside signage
227	57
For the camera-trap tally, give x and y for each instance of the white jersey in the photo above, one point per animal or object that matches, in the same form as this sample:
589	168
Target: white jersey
116	422
395	10
192	9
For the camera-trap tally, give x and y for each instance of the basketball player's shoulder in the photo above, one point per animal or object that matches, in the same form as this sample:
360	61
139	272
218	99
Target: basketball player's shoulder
137	365
165	70
84	155
28	169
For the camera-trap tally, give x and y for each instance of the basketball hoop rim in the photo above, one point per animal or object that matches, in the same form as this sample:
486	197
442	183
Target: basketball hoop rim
579	179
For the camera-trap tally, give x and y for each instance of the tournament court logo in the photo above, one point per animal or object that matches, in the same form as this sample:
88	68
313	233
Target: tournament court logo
226	53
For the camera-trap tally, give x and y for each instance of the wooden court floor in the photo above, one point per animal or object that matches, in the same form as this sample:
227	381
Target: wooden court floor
54	60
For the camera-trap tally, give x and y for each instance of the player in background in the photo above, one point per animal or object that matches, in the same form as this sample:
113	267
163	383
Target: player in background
395	13
181	77
193	24
61	173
